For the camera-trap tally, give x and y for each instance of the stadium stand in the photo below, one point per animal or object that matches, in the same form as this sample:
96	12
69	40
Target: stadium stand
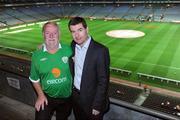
150	12
14	72
3	24
124	93
14	83
162	103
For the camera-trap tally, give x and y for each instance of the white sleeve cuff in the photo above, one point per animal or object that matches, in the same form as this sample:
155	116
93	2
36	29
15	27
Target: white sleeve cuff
34	81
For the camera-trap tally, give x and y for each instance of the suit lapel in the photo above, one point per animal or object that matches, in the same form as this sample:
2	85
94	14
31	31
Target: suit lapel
72	58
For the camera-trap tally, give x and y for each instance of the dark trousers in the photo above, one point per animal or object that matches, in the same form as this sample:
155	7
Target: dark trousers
78	110
62	106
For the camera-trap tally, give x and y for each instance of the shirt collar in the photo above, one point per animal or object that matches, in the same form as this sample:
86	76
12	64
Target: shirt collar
45	49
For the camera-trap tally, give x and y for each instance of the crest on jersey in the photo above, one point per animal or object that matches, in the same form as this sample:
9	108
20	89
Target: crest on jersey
65	59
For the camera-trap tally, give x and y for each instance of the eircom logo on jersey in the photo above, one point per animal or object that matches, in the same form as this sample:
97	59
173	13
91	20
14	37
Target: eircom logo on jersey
56	72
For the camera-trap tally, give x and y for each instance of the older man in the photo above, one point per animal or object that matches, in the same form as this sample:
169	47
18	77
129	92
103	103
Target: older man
51	76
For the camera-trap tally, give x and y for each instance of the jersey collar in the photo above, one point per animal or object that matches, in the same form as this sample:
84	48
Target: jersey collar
45	49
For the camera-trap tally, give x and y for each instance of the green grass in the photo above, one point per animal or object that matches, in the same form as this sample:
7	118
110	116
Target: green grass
157	53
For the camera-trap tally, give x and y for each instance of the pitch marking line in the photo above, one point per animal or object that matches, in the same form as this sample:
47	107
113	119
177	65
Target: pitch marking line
18	31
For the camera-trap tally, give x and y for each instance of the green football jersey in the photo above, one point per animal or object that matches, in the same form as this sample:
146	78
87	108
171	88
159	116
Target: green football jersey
52	71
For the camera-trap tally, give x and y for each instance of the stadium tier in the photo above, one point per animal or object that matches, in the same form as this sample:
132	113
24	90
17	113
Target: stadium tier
142	36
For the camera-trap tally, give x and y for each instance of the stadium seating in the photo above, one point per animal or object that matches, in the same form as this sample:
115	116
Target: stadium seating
36	13
162	103
20	15
124	93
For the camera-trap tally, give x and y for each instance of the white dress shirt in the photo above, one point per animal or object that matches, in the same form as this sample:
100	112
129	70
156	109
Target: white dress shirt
80	54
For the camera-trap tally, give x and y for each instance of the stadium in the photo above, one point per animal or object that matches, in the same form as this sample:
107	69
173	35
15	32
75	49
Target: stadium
142	36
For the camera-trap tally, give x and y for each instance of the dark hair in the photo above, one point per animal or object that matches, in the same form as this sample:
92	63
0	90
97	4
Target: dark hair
47	23
77	20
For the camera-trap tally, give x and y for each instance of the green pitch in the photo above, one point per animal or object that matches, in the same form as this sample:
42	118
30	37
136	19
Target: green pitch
157	53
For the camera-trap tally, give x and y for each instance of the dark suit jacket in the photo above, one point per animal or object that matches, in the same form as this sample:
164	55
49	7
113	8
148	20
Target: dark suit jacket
95	77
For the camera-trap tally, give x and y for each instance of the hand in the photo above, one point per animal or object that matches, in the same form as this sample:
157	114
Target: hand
95	112
40	102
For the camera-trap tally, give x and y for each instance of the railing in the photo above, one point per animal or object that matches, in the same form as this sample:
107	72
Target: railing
122	71
144	110
16	50
157	77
